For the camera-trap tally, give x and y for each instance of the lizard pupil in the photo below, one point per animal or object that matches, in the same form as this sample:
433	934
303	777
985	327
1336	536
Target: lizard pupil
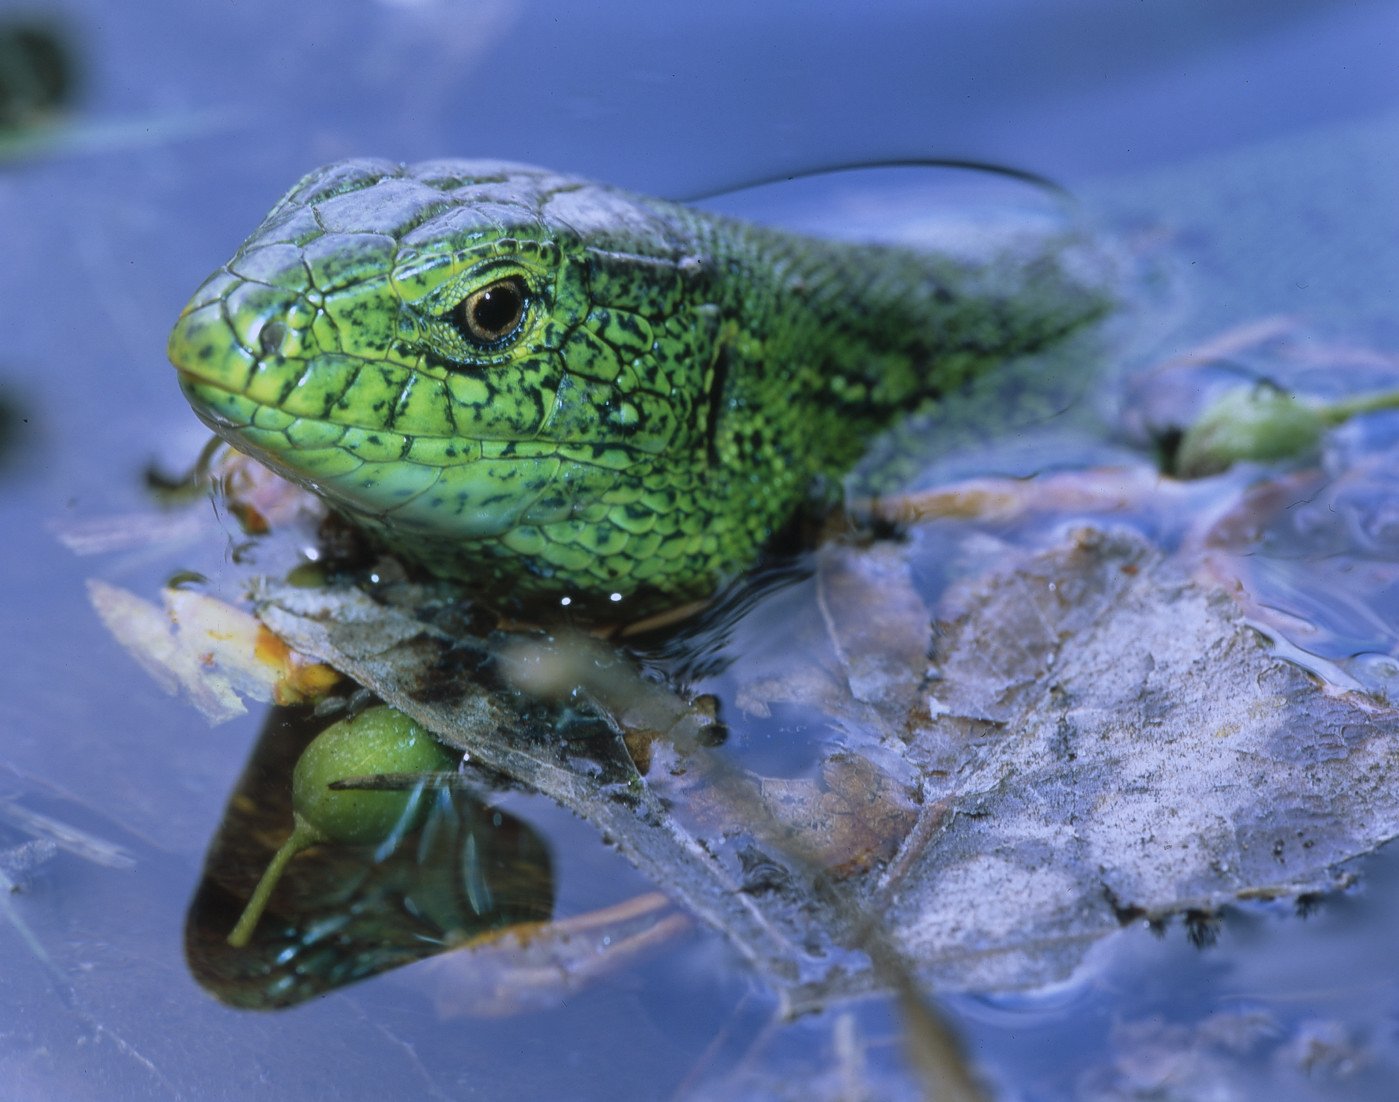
493	312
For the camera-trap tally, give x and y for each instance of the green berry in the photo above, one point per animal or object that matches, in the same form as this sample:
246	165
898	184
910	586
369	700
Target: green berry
378	740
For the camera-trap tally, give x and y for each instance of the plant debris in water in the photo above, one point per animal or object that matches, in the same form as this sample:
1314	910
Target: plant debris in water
1097	738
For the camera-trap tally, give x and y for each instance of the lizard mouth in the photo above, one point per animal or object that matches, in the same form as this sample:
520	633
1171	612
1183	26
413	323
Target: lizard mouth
473	497
223	410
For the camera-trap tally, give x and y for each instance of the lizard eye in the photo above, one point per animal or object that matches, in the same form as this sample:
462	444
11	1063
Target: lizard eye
493	313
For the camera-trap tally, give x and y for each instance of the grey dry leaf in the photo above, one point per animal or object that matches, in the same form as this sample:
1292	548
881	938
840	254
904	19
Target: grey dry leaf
1134	749
1107	739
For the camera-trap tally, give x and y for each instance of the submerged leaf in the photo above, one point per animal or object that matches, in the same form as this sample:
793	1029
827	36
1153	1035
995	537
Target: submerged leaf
1107	739
856	816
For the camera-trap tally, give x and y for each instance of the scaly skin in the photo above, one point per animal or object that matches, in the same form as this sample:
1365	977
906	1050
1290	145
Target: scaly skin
676	387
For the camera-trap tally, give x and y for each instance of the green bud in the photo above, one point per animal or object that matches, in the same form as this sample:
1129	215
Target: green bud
378	740
1257	422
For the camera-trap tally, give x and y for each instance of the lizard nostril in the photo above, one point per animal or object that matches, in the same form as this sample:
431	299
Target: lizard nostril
269	341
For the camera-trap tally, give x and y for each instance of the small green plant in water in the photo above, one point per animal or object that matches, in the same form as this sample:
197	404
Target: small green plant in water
378	740
1262	423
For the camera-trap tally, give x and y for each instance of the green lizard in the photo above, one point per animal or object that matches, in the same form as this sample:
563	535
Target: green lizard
558	391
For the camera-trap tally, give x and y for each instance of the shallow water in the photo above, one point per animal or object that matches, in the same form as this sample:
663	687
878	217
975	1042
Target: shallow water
1254	139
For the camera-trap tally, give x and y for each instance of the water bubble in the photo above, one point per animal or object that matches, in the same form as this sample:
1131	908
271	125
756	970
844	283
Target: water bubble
1377	672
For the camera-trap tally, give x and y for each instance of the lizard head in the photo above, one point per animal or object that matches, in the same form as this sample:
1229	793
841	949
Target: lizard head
453	350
